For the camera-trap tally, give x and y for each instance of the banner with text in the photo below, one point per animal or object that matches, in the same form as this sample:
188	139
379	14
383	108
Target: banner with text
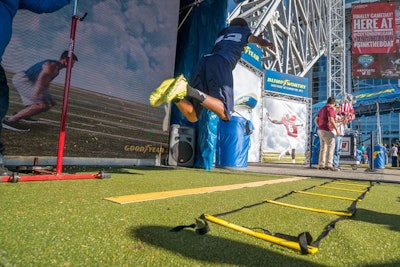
285	83
376	40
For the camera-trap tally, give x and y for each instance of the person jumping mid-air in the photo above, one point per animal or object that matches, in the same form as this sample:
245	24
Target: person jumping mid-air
212	82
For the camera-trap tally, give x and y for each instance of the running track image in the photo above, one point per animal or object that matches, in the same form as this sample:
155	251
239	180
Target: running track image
97	126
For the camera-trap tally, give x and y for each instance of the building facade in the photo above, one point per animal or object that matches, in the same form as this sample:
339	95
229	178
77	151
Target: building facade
385	126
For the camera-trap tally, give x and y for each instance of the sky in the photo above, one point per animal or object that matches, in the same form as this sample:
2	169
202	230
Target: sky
125	48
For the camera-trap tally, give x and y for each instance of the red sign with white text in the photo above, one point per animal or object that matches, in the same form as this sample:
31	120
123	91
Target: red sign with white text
373	28
376	40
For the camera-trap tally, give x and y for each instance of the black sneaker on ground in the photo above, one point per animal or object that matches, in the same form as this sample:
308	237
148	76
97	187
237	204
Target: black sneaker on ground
14	126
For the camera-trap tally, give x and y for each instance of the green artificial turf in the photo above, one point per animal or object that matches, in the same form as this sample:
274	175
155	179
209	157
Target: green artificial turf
68	223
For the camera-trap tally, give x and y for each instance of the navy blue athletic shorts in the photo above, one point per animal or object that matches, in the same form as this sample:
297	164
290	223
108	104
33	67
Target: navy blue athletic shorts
213	76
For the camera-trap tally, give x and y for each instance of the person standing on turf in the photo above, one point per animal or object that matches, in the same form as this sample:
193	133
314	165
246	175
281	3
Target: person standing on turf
325	121
342	120
393	153
8	9
212	82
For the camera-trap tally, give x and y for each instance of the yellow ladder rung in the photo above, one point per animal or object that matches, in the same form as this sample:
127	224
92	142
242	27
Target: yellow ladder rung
339	213
273	239
328	196
351	184
342	189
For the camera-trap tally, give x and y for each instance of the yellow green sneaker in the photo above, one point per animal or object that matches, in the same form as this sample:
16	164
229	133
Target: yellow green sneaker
156	97
170	89
177	90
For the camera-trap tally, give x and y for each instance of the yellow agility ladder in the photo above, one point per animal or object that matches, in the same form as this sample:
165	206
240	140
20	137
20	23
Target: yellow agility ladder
303	242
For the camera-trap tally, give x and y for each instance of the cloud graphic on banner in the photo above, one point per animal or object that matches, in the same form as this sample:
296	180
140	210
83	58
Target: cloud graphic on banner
125	48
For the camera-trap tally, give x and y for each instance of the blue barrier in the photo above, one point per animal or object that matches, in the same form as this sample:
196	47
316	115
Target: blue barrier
233	142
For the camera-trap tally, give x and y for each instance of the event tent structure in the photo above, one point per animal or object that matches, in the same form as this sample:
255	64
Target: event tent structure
375	102
384	99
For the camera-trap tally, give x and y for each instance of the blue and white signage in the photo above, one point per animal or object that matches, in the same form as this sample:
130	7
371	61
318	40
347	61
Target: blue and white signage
252	54
285	83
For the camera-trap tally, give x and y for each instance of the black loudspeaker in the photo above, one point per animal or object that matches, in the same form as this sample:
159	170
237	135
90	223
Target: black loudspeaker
181	146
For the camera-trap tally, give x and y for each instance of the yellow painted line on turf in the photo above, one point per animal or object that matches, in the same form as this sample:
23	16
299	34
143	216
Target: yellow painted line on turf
193	191
341	189
339	213
326	195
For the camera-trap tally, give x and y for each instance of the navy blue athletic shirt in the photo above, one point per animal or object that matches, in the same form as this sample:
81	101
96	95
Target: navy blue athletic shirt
230	43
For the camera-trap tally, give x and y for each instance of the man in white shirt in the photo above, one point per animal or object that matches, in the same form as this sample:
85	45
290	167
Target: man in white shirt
341	122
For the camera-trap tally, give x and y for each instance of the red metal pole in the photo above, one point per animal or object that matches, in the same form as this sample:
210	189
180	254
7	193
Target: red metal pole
63	123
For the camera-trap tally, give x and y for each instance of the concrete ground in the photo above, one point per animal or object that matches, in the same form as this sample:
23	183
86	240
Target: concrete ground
363	172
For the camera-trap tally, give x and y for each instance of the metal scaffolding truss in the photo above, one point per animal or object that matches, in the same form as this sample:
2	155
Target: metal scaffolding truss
301	31
297	28
336	71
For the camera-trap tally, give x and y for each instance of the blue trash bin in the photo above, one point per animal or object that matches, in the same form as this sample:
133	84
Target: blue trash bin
379	156
233	142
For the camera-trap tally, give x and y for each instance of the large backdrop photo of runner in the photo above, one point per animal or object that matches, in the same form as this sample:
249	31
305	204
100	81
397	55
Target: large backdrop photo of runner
124	50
